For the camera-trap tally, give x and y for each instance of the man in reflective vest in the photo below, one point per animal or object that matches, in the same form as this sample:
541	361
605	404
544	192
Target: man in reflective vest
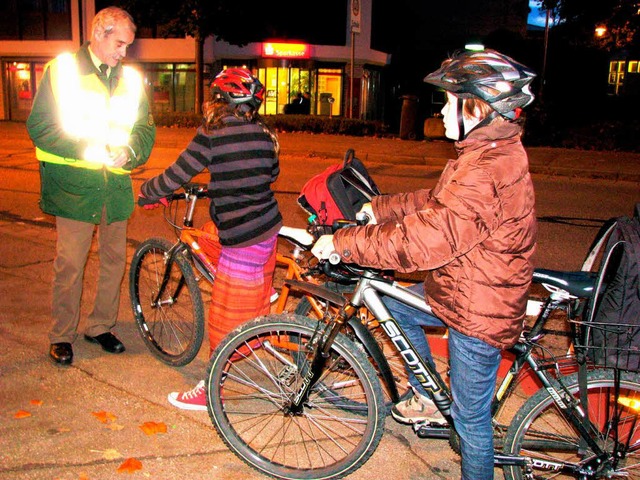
91	125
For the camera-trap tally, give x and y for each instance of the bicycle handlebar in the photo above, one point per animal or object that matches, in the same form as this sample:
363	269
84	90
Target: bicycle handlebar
200	190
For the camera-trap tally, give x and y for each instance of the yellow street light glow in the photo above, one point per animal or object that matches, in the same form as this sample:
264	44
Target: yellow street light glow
600	31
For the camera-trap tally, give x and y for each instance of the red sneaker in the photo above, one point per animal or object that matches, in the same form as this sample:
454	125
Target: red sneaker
274	296
195	399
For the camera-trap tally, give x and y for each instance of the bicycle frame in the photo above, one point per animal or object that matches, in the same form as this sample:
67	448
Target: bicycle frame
367	293
188	244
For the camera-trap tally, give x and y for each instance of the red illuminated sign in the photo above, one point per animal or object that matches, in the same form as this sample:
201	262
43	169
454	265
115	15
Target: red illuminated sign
285	50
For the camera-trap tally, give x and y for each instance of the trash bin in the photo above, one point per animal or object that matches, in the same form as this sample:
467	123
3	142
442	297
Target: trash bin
326	102
408	117
434	128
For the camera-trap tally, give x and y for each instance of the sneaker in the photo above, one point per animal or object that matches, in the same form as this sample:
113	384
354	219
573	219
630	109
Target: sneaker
195	399
417	408
274	295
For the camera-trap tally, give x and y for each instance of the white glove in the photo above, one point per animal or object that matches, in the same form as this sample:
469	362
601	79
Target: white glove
323	248
368	211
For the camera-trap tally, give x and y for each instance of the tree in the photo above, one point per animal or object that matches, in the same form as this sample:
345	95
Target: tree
579	19
198	19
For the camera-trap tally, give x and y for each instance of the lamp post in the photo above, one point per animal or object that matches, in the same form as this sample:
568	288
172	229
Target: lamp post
355	28
544	54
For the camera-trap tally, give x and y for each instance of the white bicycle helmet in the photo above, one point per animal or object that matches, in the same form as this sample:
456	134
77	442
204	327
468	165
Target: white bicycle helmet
488	75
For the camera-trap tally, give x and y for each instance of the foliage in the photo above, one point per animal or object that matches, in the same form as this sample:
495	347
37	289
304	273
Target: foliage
288	123
194	18
544	127
549	125
129	465
176	19
579	18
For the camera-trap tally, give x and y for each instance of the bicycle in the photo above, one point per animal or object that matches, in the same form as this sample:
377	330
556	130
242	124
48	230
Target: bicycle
294	398
164	282
164	287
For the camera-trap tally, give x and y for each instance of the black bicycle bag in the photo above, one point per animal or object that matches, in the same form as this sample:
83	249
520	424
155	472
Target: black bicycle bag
614	322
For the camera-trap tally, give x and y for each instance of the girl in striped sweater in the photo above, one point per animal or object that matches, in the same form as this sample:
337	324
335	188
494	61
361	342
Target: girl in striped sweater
241	154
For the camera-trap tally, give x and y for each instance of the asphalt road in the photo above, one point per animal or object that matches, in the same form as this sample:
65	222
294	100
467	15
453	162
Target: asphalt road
50	424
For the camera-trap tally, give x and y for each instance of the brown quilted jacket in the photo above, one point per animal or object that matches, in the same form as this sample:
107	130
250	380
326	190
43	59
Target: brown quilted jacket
474	234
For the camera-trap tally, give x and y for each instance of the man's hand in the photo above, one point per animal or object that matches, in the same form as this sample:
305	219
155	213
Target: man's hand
119	156
149	204
323	248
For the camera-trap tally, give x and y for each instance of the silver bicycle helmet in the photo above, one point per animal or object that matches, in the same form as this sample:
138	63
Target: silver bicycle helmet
489	75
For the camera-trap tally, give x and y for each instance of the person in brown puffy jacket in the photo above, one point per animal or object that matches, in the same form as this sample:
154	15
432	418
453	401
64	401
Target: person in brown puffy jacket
474	234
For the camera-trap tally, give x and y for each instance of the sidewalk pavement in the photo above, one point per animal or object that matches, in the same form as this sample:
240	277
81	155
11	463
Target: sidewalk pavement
84	421
618	166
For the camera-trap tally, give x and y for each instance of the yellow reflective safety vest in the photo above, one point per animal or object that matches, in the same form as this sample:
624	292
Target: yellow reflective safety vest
90	113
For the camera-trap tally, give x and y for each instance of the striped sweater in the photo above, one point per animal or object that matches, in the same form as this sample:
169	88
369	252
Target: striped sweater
243	163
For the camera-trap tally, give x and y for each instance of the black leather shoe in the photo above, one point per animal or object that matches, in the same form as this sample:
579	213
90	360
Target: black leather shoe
108	341
61	353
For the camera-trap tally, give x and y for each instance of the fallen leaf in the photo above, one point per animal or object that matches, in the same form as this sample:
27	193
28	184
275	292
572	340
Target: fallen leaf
130	465
104	417
151	428
108	454
22	414
115	427
37	403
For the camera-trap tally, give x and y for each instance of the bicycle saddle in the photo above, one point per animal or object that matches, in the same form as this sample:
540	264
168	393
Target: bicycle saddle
580	284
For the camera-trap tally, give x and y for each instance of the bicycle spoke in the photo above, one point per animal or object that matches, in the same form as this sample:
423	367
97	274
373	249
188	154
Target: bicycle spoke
252	403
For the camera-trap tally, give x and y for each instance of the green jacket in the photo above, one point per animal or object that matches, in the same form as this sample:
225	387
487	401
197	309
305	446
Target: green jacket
79	193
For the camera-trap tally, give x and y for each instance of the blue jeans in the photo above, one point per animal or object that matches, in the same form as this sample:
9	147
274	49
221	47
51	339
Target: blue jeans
473	369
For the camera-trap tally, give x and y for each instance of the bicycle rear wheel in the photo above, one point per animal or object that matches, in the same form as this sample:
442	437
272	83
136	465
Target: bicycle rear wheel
173	327
252	378
539	430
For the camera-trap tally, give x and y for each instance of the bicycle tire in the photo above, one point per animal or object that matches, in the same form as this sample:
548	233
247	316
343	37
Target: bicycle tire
393	356
251	378
540	426
172	331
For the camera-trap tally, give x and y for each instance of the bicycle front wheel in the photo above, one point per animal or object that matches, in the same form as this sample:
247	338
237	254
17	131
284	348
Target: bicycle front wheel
391	353
540	431
172	326
252	379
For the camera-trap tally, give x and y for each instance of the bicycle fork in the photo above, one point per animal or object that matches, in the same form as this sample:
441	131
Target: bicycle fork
322	346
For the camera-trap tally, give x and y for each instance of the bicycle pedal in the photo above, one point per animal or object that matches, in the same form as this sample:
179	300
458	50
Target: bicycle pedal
431	430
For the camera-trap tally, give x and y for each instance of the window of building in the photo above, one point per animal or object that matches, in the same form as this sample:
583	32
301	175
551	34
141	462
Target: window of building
284	86
35	20
171	87
616	75
329	91
633	66
22	79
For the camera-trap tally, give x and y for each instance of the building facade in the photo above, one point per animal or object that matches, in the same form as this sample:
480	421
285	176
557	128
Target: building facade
334	80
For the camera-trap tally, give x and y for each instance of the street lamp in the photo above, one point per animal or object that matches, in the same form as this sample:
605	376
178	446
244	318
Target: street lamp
601	31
